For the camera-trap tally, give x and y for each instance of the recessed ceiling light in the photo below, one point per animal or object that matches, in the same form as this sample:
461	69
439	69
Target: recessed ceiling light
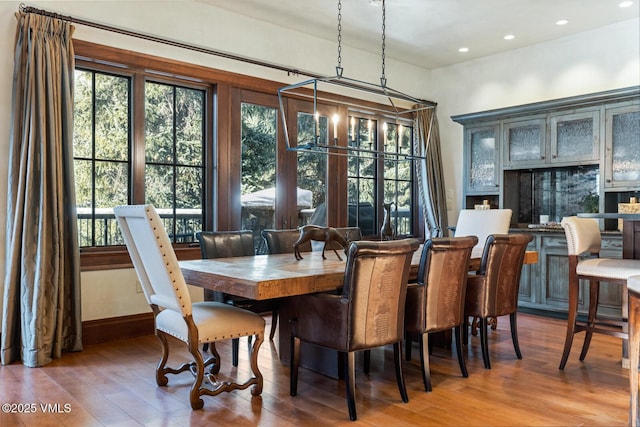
463	49
625	4
562	22
509	37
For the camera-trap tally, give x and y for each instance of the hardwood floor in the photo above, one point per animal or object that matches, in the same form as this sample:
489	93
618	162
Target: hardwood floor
113	384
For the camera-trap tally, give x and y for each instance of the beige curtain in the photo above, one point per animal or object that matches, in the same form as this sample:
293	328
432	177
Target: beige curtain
41	311
430	177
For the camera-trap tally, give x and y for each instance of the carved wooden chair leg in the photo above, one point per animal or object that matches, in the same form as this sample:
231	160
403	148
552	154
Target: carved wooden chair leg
493	322
257	388
195	392
161	371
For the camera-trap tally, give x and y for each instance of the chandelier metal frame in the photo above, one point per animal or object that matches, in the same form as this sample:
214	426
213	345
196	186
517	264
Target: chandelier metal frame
388	99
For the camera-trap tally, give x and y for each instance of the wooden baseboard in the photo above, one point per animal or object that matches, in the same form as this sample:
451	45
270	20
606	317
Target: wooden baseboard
116	328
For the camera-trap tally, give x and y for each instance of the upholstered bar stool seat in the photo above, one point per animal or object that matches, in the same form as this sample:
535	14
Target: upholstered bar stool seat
633	286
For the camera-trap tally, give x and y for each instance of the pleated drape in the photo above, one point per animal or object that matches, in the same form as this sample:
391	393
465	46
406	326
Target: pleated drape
41	306
430	175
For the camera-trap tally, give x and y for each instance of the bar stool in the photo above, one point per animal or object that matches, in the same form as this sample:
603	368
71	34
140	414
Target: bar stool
633	286
583	236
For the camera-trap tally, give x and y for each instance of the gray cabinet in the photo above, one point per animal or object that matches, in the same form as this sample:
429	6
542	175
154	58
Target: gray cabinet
482	160
622	152
574	137
544	286
598	133
524	142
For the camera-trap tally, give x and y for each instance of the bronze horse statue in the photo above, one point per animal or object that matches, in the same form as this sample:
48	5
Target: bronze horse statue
320	234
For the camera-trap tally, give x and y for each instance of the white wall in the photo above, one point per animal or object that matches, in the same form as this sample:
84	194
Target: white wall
113	293
599	60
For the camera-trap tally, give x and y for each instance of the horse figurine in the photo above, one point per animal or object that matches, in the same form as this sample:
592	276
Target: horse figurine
319	234
388	230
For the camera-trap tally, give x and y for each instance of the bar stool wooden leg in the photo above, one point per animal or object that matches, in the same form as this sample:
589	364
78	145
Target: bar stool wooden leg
633	285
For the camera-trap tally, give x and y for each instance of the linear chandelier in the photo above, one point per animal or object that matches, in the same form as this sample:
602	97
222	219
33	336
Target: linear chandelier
383	101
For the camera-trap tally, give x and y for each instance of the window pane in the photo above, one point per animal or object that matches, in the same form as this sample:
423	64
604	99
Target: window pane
159	122
101	154
312	172
112	117
258	182
189	126
174	148
83	115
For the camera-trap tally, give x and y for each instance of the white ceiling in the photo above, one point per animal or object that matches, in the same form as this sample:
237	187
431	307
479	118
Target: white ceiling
429	33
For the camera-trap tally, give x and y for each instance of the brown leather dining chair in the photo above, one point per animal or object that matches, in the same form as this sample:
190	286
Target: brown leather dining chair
281	241
493	290
369	313
224	244
583	237
436	302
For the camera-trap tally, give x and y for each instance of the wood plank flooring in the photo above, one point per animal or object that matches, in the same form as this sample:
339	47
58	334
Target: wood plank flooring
113	384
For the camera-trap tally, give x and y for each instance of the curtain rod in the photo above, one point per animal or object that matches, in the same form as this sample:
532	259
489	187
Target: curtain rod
290	71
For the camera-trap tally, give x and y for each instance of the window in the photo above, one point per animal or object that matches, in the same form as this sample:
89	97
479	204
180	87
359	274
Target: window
144	132
163	166
366	192
174	157
101	140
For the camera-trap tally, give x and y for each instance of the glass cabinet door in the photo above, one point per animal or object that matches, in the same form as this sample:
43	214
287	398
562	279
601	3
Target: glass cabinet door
622	155
525	142
483	168
575	137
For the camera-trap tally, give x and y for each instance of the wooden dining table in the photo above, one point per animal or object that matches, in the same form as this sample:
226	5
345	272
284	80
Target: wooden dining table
281	276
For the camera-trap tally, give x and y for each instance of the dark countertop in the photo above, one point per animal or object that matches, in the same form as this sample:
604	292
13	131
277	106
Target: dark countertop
634	216
539	228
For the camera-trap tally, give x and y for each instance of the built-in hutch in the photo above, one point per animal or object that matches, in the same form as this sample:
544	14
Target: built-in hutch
556	158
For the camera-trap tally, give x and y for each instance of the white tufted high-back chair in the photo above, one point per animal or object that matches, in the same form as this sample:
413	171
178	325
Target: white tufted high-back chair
583	237
166	292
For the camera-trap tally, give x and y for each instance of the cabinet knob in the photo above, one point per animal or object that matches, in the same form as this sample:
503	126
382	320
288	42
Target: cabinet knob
541	157
554	157
608	181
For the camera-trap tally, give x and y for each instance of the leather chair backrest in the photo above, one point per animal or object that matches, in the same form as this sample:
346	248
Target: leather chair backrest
482	223
502	265
583	235
351	234
153	258
438	301
375	287
225	244
281	241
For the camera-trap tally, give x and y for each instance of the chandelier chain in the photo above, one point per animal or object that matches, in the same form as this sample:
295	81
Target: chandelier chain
339	66
383	79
